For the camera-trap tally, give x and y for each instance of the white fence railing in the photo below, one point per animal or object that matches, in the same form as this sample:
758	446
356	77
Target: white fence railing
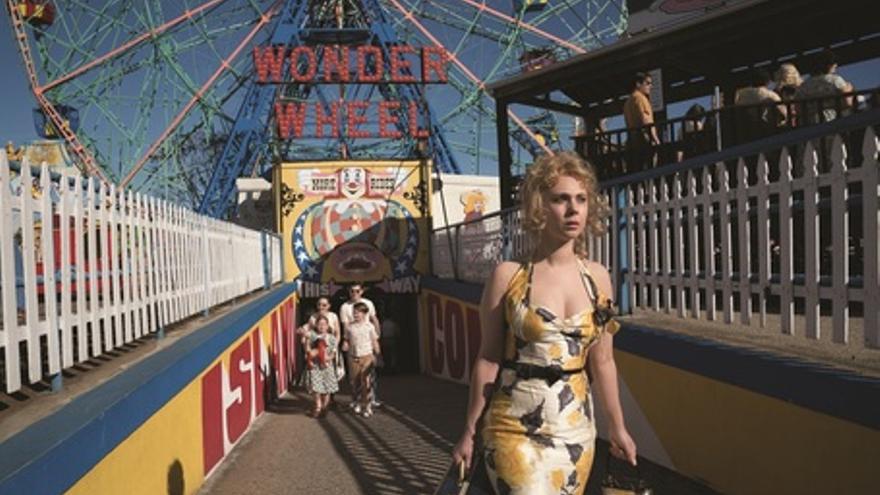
791	232
86	269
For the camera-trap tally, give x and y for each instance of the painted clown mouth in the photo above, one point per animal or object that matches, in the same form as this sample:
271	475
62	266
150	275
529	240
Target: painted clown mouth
357	263
357	258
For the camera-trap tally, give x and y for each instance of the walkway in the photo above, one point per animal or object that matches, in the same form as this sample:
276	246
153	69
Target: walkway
403	449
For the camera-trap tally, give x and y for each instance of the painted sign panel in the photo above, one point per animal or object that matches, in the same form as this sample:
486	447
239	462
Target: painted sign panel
236	388
649	15
451	332
196	427
466	198
346	221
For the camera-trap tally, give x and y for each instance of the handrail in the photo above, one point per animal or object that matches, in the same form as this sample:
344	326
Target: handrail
841	125
797	102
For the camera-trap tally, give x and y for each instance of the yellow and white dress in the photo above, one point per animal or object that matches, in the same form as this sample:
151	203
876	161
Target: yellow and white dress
540	438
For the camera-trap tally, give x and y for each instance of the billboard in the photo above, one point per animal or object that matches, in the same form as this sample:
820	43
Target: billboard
354	220
650	15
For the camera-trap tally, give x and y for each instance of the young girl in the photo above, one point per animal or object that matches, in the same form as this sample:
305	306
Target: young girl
320	355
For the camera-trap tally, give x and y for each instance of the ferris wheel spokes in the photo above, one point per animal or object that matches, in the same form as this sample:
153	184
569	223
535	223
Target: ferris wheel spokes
525	25
129	44
224	65
479	82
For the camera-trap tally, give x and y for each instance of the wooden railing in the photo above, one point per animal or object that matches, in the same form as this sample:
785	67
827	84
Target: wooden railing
86	268
786	226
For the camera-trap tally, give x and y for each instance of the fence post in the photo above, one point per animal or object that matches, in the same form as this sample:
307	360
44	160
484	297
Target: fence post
281	259
267	272
623	267
206	256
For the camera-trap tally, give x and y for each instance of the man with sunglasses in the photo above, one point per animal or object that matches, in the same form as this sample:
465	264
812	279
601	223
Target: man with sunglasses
346	317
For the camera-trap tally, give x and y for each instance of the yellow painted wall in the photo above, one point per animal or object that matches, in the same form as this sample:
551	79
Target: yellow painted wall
748	443
142	463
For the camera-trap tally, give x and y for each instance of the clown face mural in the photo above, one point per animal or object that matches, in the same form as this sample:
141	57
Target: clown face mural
348	221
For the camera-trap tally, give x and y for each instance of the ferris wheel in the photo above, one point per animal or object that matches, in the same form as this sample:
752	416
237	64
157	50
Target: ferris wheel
152	94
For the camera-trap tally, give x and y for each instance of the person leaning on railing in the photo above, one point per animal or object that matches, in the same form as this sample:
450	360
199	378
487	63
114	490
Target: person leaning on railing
758	117
829	87
639	116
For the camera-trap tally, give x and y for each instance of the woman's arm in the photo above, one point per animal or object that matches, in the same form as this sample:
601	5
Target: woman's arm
487	362
604	371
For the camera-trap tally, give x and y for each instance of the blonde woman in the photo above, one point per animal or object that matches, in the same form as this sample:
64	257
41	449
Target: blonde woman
541	331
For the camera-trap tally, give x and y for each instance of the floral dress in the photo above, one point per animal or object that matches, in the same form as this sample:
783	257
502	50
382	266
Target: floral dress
322	379
540	438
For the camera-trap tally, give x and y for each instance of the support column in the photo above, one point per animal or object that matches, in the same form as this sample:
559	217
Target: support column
505	162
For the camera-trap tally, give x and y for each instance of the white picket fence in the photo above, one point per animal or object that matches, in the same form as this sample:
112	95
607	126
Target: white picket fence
797	238
86	268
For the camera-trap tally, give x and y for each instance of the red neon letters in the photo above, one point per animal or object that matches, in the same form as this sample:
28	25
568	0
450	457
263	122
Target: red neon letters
338	64
342	64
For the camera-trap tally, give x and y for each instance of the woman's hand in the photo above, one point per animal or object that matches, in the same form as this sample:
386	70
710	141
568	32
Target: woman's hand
464	450
622	445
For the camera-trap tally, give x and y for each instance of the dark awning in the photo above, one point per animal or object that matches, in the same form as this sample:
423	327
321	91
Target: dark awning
717	48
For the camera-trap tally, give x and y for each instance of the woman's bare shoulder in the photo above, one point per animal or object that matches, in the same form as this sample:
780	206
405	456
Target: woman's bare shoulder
503	273
600	276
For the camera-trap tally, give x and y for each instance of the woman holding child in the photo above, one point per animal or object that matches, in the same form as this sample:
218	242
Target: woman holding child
321	351
306	333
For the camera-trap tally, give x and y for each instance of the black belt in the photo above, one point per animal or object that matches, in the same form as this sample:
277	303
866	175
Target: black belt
550	374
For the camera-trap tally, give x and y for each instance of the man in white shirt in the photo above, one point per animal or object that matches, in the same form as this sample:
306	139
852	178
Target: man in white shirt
346	317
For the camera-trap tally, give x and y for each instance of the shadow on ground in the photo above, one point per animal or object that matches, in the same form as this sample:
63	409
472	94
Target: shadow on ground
405	447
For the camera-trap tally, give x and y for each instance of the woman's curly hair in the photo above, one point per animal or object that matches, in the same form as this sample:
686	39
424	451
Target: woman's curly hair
542	175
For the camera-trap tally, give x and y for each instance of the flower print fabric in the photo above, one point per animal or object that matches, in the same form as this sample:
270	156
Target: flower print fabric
540	438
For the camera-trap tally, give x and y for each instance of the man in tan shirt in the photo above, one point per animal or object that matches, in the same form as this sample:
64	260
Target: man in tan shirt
638	114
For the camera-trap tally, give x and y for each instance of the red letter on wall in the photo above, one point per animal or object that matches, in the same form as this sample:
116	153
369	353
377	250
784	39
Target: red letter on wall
279	354
259	377
310	64
336	63
435	325
287	312
322	119
453	330
434	59
212	417
268	60
374	54
399	64
291	118
238	414
414	129
355	113
474	336
387	117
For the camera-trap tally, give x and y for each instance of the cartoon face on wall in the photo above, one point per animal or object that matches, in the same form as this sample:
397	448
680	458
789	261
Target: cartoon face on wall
352	222
474	204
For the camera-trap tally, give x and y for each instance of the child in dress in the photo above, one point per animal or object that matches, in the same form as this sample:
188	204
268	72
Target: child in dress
320	356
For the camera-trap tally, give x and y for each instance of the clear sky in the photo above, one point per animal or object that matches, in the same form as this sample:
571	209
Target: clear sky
16	120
